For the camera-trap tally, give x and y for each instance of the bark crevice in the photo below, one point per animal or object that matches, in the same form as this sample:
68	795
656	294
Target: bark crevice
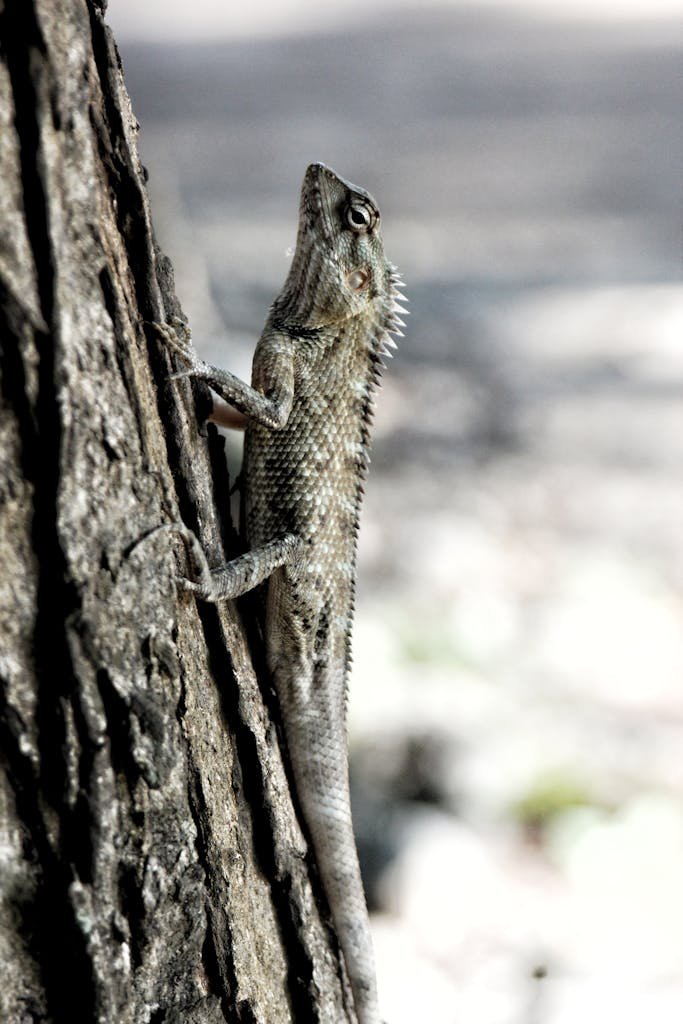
153	866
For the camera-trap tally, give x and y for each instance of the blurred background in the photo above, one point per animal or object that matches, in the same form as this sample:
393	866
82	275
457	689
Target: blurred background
516	712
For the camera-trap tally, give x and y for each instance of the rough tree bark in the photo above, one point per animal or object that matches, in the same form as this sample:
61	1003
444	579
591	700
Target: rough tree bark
151	864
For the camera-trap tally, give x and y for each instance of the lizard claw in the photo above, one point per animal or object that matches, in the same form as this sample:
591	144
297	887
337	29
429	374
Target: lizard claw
199	579
200	589
184	584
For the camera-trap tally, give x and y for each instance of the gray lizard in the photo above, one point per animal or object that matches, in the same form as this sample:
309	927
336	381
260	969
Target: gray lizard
309	407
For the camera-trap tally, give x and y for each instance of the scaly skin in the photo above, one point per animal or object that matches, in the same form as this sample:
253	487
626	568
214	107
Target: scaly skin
309	408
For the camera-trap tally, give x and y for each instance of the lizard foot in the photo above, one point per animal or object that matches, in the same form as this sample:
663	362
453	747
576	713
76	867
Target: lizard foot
178	336
199	580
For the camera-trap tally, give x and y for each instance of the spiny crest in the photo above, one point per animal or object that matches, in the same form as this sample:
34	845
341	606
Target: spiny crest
380	343
392	323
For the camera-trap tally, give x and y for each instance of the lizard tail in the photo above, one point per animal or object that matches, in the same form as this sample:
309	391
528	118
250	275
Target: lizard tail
316	739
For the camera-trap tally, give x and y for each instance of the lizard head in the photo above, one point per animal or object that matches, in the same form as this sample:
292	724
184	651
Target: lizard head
339	269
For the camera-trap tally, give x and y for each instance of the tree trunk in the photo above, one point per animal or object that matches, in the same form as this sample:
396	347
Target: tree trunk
151	864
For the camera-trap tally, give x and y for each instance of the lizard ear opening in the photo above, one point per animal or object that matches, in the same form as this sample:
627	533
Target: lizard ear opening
357	280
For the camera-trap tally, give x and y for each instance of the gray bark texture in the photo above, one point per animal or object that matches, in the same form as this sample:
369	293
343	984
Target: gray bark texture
151	863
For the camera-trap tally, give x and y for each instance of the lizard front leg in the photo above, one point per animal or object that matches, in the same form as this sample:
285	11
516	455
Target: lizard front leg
271	404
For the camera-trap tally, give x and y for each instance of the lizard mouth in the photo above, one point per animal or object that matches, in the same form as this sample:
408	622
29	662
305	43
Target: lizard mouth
317	171
317	200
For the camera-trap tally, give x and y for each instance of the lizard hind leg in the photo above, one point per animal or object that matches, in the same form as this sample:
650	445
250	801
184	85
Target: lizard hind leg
237	576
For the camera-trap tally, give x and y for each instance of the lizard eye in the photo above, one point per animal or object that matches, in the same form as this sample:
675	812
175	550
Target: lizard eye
358	217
